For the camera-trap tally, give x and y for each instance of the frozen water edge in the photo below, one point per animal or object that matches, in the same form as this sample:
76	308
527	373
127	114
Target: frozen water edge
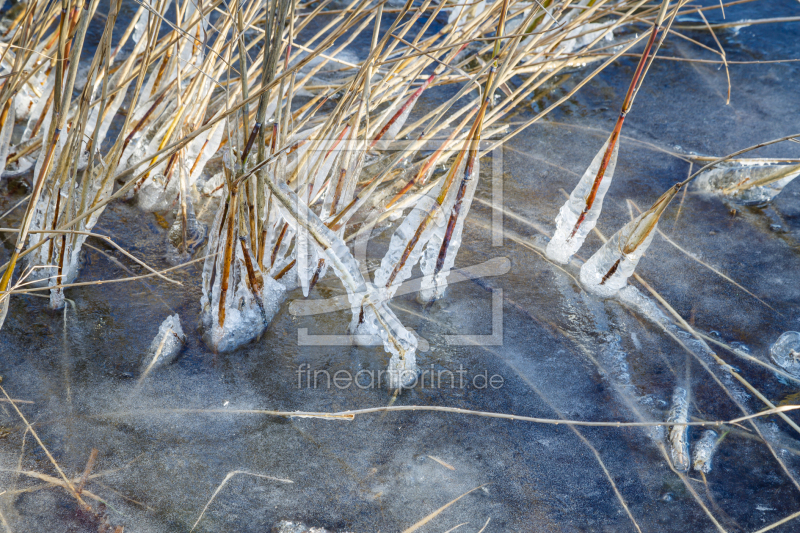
372	473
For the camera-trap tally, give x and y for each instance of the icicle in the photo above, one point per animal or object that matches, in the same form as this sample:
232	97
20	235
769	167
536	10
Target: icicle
567	240
367	302
110	115
71	262
704	451
441	250
166	345
747	184
403	241
305	253
389	130
608	270
199	153
37	111
678	435
331	156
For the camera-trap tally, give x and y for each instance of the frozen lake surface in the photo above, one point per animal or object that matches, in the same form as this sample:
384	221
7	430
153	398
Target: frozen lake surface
167	441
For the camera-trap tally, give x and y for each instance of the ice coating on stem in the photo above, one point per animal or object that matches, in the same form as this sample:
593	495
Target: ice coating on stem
241	313
747	184
49	256
426	218
158	193
201	152
436	262
608	270
177	251
786	352
5	131
678	434
704	450
470	11
166	345
141	25
38	110
564	243
368	303
389	130
305	254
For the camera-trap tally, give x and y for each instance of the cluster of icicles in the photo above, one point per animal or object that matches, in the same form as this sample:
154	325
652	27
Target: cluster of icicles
608	270
251	259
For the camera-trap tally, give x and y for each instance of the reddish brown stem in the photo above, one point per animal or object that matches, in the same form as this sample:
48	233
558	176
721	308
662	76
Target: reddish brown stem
626	104
144	118
250	141
610	272
451	223
228	257
278	243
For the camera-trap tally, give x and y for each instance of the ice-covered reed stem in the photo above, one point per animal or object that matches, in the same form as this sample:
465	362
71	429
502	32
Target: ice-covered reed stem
165	346
578	216
704	451
678	434
748	184
608	270
238	301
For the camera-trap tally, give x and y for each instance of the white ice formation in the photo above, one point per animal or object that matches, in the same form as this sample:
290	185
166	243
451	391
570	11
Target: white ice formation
239	301
608	270
678	434
747	184
786	352
166	345
567	239
437	260
704	450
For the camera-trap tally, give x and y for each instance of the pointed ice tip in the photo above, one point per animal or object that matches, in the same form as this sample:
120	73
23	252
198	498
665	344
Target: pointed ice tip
646	222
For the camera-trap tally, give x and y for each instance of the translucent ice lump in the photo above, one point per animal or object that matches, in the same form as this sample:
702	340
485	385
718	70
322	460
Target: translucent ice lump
786	352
